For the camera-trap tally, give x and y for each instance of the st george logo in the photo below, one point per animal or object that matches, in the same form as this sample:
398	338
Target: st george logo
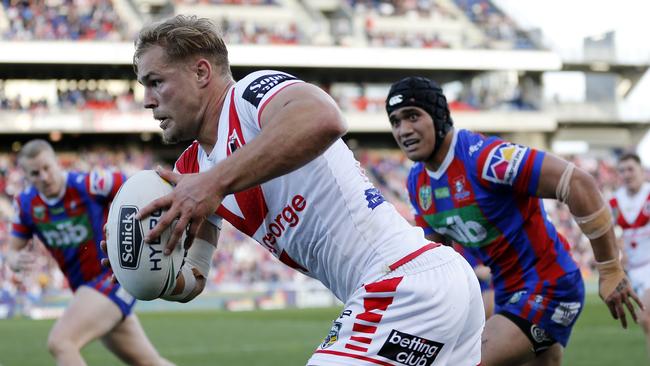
129	238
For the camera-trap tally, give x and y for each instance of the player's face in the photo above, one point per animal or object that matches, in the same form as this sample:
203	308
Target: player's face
413	130
631	173
44	173
172	93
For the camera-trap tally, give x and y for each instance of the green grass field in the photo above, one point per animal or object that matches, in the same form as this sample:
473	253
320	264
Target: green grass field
288	337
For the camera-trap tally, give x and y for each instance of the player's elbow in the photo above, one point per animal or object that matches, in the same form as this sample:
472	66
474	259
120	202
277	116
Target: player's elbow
581	181
331	122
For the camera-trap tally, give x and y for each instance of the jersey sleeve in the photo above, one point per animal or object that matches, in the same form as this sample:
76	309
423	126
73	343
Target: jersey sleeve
255	91
20	226
411	185
188	162
103	184
506	166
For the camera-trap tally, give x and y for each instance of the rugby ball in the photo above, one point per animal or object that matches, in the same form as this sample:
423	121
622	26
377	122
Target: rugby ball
141	268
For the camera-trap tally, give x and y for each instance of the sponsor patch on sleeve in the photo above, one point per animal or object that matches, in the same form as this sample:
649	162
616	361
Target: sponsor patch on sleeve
502	163
257	89
101	182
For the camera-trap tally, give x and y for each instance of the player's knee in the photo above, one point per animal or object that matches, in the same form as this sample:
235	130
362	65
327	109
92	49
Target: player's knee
58	345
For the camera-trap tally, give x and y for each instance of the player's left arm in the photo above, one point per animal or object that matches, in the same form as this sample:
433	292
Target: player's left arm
299	123
193	275
564	181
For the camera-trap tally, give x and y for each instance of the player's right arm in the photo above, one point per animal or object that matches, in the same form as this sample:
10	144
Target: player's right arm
19	258
578	189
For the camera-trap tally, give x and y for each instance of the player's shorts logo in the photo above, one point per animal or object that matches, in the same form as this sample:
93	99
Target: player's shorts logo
410	350
332	336
129	238
566	312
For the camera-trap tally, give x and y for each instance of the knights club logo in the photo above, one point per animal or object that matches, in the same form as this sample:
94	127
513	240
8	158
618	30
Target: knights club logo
460	192
424	196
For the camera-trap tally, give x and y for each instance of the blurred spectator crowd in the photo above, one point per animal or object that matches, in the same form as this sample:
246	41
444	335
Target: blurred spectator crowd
79	20
239	263
84	20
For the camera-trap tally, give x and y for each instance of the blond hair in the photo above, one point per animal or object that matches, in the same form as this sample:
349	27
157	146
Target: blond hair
33	148
181	37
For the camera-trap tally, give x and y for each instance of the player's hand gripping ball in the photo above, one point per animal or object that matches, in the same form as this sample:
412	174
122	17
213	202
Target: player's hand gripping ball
141	268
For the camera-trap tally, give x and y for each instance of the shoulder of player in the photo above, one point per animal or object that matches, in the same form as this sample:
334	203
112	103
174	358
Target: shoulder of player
412	179
254	86
26	194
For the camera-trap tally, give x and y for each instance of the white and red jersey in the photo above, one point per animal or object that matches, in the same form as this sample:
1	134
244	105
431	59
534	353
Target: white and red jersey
325	219
632	214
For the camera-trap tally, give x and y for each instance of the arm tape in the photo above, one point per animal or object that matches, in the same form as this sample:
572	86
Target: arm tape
596	224
199	256
190	284
563	187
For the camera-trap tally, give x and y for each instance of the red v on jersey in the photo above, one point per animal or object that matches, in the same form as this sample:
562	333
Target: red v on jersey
251	202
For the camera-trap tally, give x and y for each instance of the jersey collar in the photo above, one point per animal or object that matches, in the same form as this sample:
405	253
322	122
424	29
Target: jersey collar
55	200
436	174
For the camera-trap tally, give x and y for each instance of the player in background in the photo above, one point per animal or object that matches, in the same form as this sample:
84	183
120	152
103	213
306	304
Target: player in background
631	210
268	158
67	211
485	193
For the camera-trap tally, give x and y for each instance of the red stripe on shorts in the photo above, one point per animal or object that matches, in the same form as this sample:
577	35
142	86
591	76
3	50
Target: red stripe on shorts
412	256
389	285
364	328
356	348
361	339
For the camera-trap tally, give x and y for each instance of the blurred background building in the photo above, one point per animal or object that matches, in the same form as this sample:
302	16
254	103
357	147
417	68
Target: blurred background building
66	75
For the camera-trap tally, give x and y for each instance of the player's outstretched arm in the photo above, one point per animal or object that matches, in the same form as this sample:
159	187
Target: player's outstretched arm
577	188
299	123
19	258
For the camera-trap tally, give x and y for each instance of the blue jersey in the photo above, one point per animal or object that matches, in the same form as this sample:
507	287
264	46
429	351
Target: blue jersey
71	227
483	197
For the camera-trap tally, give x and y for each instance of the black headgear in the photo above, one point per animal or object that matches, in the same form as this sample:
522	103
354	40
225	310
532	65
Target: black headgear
424	93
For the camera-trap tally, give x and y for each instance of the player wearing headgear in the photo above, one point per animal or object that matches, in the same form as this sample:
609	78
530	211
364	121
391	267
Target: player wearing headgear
485	194
67	211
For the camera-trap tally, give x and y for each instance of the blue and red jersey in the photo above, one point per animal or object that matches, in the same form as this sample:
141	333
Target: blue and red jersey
483	197
71	227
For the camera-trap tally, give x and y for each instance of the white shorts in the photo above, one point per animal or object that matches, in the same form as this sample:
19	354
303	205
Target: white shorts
640	278
428	311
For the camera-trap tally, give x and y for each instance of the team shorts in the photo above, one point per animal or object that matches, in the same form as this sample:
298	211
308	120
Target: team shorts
427	312
640	278
553	309
113	291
